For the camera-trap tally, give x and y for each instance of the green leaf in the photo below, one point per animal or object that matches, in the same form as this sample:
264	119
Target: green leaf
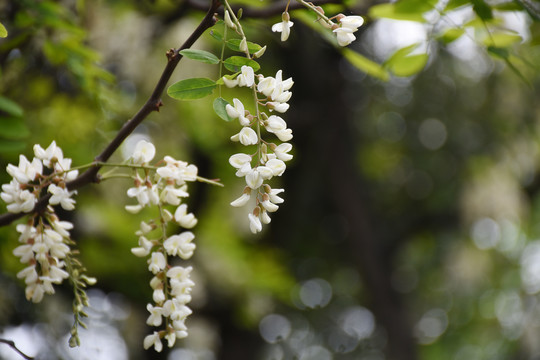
454	4
401	63
235	63
411	10
389	11
216	35
498	52
9	107
365	65
234	44
12	146
3	31
450	35
482	9
191	89
508	6
200	55
502	39
13	128
220	108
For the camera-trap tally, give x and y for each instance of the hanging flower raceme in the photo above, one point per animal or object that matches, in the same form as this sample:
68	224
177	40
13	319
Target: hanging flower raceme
164	187
44	239
269	159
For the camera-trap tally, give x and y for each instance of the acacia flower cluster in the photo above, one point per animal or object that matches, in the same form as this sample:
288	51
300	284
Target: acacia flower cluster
344	29
269	158
44	238
171	285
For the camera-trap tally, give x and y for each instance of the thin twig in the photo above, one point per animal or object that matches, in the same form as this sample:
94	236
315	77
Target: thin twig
151	105
14	347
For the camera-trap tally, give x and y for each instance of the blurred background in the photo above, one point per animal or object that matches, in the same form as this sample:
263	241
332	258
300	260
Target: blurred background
411	222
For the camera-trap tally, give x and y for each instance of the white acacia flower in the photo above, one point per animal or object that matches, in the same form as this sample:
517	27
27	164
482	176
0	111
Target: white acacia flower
352	22
273	194
184	219
246	136
283	27
144	152
254	223
61	196
282	152
17	200
50	155
276	166
171	194
265	171
155	318
254	179
265	218
284	135
153	340
230	83
344	36
26	171
275	123
237	111
246	77
157	262
277	106
269	206
239	160
242	200
228	20
180	245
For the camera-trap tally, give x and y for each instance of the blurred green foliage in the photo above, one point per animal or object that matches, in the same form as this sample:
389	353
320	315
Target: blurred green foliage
437	149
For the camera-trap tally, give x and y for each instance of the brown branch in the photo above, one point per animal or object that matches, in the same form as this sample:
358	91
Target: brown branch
152	104
12	345
273	9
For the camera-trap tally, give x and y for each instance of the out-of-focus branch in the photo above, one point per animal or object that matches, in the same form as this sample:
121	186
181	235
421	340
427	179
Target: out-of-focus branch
273	9
152	104
14	347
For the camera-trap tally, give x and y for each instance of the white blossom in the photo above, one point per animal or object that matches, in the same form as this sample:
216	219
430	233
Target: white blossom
157	262
184	219
254	223
144	152
153	340
282	152
283	27
344	36
246	136
237	111
61	196
246	77
180	245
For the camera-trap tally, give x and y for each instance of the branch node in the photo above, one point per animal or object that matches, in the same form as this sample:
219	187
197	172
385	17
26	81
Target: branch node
158	105
171	54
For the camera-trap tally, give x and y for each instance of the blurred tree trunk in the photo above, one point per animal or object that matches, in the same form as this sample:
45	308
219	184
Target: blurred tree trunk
326	143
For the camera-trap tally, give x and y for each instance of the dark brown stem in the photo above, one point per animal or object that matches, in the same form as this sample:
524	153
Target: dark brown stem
273	9
152	104
12	345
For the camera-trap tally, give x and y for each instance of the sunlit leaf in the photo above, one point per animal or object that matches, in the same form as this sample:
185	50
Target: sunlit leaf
10	107
401	63
454	4
235	63
234	44
3	31
450	35
219	108
200	55
191	89
389	11
365	65
502	39
13	128
508	6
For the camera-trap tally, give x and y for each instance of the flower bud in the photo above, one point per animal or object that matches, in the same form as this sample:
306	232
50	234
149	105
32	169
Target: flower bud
260	53
228	20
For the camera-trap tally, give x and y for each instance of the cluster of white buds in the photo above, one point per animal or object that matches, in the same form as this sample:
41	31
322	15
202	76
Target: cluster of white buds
171	285
29	180
348	25
344	29
269	159
44	239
